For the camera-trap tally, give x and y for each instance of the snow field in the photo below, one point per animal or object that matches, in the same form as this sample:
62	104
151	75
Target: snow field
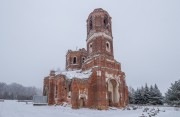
12	108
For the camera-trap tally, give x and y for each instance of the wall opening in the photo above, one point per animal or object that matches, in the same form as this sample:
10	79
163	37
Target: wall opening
90	24
83	59
108	48
82	102
74	60
55	91
90	47
113	94
106	22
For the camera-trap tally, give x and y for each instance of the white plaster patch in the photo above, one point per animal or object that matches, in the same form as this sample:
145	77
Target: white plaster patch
69	94
83	96
106	68
111	76
98	73
89	62
110	60
107	75
94	56
99	34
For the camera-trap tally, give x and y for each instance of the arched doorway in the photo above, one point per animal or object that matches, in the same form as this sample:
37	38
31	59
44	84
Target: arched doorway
113	94
82	102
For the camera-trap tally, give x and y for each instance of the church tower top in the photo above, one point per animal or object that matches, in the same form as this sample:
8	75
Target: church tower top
99	33
98	21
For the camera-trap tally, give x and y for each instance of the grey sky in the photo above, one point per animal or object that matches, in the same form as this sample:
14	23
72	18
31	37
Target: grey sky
36	34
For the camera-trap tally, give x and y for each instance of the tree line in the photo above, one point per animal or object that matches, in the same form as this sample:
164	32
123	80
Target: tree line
146	95
152	96
172	96
16	91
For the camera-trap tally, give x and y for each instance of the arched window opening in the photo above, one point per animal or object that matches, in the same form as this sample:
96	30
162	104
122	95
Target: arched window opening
106	22
74	60
56	90
90	47
90	24
83	59
108	47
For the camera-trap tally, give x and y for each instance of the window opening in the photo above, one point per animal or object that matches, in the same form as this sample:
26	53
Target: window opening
74	60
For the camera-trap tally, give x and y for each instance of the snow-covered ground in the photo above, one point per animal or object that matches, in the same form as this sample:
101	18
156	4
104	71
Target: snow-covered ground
21	109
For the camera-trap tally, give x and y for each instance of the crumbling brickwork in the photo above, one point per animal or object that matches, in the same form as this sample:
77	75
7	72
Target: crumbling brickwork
75	59
93	78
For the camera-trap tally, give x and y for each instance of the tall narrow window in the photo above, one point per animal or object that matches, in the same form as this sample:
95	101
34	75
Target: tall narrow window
90	24
90	47
106	22
74	60
108	47
83	59
56	88
107	44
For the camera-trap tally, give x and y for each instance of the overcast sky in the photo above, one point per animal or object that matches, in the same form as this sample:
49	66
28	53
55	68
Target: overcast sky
36	34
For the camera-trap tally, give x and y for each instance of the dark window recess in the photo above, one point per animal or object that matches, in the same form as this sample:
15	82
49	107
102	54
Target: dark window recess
105	22
74	60
90	24
107	45
83	60
69	87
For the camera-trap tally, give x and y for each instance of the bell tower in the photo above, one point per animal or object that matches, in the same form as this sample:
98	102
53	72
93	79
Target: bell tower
99	34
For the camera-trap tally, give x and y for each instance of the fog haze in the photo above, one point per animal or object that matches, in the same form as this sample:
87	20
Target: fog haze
36	34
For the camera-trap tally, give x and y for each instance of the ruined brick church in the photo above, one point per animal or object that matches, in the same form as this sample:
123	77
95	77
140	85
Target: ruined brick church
93	78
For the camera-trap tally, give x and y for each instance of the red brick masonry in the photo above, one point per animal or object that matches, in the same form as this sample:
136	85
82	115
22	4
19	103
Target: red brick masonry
93	78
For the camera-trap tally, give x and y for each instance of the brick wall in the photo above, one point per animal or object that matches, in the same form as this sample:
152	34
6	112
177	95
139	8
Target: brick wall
106	86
